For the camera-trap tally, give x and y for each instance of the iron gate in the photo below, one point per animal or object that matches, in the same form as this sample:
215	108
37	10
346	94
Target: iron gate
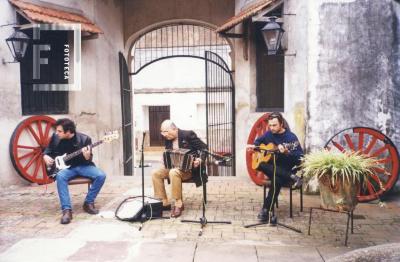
220	112
126	94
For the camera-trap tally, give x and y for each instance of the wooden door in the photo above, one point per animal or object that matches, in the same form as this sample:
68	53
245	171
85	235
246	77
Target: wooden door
157	114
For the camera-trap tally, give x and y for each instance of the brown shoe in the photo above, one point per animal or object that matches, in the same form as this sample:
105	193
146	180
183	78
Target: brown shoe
66	216
167	207
177	211
89	208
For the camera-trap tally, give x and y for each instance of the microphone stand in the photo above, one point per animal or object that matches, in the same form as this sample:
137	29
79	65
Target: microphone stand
143	215
272	218
203	220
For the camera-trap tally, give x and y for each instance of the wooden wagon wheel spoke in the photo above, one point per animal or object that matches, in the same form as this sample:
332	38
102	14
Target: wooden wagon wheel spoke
360	141
338	146
34	134
26	153
27	147
349	142
40	130
381	170
384	160
380	151
33	159
44	171
371	189
48	128
373	143
37	166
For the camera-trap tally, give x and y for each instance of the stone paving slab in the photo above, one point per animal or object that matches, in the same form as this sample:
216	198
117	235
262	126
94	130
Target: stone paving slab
288	254
165	252
206	252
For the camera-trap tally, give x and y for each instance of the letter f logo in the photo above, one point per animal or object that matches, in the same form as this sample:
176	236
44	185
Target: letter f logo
37	60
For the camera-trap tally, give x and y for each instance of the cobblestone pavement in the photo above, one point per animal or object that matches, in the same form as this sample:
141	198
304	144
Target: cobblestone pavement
30	228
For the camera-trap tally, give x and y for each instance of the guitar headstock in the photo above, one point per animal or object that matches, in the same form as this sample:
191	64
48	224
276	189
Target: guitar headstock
291	146
110	136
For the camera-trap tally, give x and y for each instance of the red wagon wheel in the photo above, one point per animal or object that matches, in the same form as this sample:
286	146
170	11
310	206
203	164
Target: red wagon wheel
375	144
258	129
27	143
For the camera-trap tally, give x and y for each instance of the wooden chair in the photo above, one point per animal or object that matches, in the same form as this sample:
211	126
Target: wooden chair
291	189
80	180
204	186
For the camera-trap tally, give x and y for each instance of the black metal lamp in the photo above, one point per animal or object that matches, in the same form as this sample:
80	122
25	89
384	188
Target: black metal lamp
272	34
18	43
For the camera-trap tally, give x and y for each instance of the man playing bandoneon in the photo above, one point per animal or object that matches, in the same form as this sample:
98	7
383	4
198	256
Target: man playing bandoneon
178	139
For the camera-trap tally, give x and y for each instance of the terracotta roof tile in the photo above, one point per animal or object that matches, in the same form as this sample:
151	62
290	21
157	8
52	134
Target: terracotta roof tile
245	14
50	15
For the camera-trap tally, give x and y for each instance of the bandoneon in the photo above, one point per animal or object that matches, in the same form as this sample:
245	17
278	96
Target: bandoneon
178	158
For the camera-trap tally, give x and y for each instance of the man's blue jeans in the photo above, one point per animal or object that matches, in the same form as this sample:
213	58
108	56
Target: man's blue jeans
96	175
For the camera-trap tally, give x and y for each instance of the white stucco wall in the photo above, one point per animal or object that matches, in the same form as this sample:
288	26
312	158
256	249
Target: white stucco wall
96	108
10	105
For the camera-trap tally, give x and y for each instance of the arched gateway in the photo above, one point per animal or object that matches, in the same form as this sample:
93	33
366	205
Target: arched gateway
186	40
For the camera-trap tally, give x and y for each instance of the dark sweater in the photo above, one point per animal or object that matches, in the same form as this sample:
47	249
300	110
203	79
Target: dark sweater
287	161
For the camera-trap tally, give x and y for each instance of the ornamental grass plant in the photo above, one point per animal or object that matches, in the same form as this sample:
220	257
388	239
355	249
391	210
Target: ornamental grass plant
339	176
351	167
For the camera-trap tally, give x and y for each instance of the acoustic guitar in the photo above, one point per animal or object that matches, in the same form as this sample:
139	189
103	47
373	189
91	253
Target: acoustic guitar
59	161
263	153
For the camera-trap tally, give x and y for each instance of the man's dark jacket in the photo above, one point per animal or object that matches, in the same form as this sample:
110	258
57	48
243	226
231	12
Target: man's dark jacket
188	139
58	147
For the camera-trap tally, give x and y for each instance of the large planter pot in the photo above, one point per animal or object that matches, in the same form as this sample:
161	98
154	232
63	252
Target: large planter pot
340	196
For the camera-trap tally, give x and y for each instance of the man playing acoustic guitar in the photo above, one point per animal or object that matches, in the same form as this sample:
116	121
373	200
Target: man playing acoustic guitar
282	152
67	140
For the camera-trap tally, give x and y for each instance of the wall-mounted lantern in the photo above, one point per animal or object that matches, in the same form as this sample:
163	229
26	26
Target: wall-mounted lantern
18	43
272	33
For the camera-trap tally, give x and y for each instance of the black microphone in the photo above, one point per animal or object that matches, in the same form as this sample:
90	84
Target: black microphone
224	160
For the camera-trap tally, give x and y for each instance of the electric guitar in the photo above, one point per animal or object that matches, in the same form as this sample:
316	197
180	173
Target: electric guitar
59	161
263	153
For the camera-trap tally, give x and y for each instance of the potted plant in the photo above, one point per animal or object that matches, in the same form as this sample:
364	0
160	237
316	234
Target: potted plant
339	175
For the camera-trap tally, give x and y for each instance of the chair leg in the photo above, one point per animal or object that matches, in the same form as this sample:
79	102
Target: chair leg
290	203
301	199
309	221
352	224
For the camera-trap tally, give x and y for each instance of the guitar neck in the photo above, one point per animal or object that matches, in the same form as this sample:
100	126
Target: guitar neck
79	151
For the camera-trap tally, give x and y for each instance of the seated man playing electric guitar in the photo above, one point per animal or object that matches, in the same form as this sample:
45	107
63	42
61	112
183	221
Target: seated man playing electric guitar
279	167
67	140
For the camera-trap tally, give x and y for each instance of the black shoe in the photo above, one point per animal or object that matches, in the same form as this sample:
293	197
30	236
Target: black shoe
166	208
89	208
263	215
298	182
66	216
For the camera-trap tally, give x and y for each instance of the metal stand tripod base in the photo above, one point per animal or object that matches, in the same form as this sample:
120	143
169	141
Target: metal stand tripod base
203	222
274	221
274	224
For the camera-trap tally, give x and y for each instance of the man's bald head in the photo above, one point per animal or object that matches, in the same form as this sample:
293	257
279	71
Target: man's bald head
167	124
169	130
